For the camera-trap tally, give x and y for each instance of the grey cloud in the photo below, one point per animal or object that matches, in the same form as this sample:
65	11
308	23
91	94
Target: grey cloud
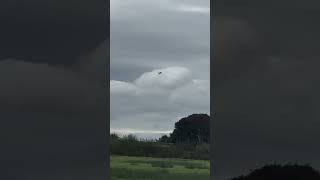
138	106
155	40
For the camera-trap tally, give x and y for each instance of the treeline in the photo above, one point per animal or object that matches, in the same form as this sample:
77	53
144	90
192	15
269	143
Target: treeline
189	140
131	146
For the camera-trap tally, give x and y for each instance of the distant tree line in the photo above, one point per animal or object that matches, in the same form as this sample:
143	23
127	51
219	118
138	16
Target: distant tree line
188	140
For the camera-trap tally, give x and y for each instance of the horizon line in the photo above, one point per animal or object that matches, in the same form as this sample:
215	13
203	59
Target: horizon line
137	131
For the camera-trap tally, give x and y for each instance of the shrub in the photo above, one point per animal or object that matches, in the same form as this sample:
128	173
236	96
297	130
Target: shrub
279	172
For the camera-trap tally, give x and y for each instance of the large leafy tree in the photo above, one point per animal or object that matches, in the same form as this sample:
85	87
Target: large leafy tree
193	129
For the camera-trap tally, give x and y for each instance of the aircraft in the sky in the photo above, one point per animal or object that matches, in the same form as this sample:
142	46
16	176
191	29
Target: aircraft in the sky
159	72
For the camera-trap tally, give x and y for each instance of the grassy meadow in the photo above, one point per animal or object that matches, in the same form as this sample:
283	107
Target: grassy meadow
147	168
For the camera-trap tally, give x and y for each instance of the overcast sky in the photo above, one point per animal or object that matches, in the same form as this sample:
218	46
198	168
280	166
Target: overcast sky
148	37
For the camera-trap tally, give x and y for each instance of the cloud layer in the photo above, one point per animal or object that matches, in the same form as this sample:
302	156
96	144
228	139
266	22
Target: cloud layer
156	99
173	33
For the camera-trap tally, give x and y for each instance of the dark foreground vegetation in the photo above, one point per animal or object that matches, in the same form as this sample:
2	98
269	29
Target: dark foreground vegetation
189	140
282	172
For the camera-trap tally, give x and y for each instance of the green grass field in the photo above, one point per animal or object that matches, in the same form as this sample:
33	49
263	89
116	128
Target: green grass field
144	168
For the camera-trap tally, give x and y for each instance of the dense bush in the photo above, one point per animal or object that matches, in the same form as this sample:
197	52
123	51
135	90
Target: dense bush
281	172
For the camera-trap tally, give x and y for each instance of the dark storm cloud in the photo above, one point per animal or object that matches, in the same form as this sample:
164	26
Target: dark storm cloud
267	110
53	96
